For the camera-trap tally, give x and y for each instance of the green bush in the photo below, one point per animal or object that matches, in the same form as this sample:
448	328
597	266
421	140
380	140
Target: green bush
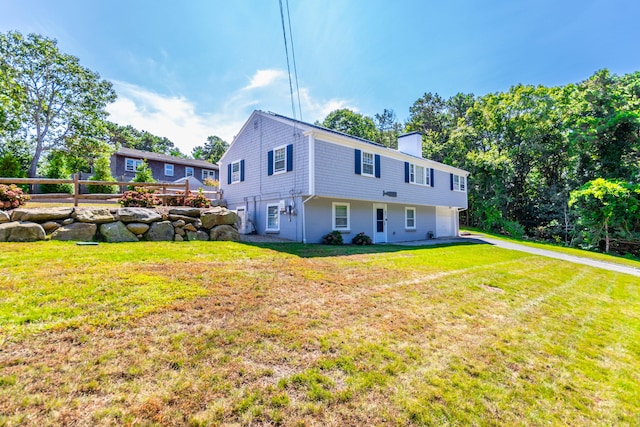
11	197
56	168
139	198
333	238
143	174
102	172
361	239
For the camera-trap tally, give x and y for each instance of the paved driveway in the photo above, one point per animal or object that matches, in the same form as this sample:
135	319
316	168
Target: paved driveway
542	252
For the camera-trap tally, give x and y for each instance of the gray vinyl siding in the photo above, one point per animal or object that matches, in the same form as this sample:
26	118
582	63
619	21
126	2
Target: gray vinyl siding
319	219
260	135
335	177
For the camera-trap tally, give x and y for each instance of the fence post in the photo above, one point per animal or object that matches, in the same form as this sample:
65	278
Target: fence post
76	189
186	188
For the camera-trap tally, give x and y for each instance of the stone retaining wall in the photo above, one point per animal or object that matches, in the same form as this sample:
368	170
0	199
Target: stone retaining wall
118	225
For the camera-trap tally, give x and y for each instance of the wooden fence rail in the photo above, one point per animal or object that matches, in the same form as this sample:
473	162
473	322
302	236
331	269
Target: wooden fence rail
76	195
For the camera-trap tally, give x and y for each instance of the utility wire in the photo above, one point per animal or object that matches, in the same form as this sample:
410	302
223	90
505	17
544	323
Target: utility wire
293	54
286	50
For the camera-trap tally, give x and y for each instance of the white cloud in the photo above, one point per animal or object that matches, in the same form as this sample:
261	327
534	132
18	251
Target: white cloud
177	118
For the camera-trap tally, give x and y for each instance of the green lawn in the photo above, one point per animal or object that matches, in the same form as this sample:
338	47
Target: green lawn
219	333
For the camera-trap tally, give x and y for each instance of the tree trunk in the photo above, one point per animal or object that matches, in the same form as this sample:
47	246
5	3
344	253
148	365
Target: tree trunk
606	237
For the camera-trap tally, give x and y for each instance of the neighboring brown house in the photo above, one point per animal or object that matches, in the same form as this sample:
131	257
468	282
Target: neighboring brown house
165	168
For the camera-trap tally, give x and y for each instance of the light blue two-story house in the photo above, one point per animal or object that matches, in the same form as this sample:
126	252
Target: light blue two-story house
301	181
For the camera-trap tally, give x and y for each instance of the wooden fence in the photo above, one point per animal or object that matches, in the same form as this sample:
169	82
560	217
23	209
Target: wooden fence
166	189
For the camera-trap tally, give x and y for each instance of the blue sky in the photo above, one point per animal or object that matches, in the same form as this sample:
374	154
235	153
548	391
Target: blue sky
192	68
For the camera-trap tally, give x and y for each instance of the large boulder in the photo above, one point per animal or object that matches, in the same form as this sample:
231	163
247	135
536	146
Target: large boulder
186	211
41	214
21	232
144	215
138	227
50	226
78	231
93	215
225	232
217	216
115	232
4	217
185	218
160	232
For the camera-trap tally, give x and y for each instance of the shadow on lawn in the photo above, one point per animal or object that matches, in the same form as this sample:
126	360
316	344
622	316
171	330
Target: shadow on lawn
309	250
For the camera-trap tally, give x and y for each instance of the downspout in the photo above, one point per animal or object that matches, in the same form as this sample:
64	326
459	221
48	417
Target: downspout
312	184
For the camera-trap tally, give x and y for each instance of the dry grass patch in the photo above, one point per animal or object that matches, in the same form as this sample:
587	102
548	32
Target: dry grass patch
223	333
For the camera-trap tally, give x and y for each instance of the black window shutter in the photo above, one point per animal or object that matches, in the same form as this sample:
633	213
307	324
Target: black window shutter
229	173
241	170
377	164
358	162
451	177
406	171
270	163
431	177
289	157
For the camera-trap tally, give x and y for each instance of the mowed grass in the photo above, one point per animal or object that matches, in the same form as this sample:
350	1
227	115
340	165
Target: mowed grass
218	333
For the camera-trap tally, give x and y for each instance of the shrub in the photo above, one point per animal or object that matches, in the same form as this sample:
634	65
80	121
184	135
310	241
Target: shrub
361	239
513	229
139	198
195	200
102	172
333	238
210	182
11	197
143	174
56	168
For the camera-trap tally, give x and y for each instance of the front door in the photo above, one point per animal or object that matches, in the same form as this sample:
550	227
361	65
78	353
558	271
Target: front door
379	223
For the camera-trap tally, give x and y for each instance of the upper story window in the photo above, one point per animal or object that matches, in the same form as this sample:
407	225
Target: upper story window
235	172
131	165
367	163
188	171
416	174
280	160
458	183
168	169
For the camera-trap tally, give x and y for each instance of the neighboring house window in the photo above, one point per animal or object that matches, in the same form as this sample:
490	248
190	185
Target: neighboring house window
208	173
168	169
340	216
416	174
131	165
410	218
235	172
188	171
273	217
367	163
280	160
458	183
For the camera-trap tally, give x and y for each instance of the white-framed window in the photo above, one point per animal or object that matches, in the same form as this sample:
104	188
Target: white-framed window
168	169
410	218
273	217
341	216
419	175
235	172
188	171
368	167
131	165
208	173
279	159
459	183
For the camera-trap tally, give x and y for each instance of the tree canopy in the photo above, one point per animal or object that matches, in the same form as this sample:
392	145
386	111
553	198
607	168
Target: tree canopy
212	150
57	102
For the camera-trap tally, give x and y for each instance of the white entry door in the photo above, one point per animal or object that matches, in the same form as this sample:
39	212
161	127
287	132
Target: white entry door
379	223
444	222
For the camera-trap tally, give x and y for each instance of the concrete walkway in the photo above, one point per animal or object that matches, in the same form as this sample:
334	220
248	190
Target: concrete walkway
535	251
